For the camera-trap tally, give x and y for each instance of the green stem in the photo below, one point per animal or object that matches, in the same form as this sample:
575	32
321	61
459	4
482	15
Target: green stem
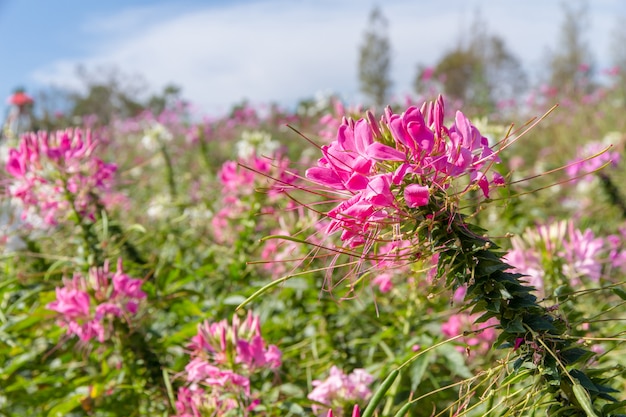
612	191
527	327
169	172
204	149
93	254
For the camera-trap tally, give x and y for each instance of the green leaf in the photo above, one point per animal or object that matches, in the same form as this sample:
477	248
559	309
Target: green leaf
418	369
515	326
621	405
62	409
574	355
404	409
539	324
619	292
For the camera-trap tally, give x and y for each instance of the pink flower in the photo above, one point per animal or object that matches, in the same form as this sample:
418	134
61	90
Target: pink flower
416	195
392	259
107	308
71	303
384	282
340	390
189	402
480	340
591	158
377	173
241	340
582	252
87	306
560	247
52	172
125	286
224	356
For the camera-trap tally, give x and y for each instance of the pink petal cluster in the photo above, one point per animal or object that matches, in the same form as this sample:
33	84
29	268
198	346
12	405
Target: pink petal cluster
240	181
382	172
392	259
52	171
223	358
586	162
583	254
480	339
87	306
193	402
340	390
576	255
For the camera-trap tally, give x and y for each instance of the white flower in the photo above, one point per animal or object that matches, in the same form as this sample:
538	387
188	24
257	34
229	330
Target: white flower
256	143
155	135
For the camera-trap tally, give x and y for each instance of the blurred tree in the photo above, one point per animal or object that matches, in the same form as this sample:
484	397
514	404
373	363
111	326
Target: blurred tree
479	70
167	99
375	60
570	65
106	94
54	104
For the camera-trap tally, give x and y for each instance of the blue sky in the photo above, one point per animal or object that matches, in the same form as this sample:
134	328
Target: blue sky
221	52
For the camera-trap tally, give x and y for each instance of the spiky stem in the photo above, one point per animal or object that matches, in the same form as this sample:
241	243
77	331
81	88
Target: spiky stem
538	336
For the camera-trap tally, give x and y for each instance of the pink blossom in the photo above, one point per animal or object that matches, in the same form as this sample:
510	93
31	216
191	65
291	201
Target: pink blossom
277	252
239	339
223	358
384	282
591	158
52	172
428	73
392	260
376	177
189	402
480	340
125	286
582	252
575	255
71	303
88	306
340	390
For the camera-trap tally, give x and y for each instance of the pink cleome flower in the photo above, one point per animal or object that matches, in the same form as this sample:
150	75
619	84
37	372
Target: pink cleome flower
479	341
591	157
87	306
577	256
53	171
340	390
223	358
380	173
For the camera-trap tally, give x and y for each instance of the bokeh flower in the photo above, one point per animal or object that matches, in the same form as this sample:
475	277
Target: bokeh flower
340	390
87	306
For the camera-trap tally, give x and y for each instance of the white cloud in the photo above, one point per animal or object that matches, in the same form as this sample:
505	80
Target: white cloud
282	51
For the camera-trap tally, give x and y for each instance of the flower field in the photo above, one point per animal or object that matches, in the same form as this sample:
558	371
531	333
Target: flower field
328	261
